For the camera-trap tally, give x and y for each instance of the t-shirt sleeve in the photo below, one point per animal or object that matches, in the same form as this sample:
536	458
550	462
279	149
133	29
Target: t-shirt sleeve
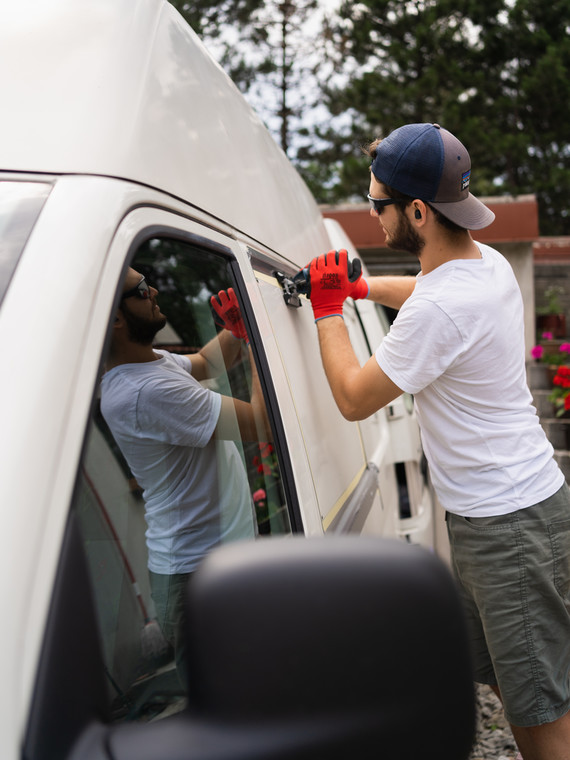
176	412
423	342
183	360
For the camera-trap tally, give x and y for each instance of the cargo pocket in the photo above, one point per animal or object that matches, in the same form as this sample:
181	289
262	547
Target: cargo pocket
560	541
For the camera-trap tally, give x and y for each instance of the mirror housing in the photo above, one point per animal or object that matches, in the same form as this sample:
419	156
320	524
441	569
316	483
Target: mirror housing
304	648
359	642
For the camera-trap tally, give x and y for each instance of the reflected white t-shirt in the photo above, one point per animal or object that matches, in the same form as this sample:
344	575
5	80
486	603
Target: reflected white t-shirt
457	344
195	487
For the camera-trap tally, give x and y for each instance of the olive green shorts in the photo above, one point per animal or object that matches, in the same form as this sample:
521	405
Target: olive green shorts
514	580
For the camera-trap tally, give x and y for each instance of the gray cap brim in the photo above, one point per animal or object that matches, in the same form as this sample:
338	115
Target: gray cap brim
469	213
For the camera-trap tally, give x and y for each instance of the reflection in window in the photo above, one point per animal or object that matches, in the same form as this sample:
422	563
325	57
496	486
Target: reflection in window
180	458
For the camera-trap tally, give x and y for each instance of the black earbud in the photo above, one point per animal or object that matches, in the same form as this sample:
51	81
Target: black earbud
418	214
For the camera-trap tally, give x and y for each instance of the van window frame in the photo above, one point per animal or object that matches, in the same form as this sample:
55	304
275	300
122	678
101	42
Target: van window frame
260	358
281	450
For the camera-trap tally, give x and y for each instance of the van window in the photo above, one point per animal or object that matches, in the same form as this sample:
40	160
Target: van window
163	481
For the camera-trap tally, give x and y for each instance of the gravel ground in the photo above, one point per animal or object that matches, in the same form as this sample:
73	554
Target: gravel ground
493	738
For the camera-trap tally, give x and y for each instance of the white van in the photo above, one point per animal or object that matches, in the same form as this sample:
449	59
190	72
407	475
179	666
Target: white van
122	143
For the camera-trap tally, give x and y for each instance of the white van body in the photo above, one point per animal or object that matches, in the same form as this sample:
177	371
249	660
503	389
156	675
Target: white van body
116	121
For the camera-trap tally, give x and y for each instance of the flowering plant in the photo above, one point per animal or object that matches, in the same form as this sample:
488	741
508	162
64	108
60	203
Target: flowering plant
266	464
268	497
560	395
557	358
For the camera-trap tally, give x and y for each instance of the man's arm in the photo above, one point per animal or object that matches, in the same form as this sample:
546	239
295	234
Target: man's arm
358	391
221	352
240	420
391	290
216	356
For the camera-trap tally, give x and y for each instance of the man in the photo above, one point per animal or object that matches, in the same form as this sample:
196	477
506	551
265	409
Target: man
177	438
457	344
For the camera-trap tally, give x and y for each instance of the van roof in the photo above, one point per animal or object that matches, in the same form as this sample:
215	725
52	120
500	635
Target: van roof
124	88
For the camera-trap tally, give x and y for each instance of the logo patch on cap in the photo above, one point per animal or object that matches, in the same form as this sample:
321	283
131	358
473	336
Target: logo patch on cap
465	179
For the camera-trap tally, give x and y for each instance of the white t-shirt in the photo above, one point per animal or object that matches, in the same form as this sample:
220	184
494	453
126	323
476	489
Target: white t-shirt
457	344
195	487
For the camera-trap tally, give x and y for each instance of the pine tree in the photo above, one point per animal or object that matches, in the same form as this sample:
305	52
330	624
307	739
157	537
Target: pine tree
520	109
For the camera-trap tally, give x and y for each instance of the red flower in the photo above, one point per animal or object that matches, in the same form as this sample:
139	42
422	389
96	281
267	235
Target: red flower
562	376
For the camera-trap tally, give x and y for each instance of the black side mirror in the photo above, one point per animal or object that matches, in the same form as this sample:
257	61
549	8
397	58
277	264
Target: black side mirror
336	648
342	647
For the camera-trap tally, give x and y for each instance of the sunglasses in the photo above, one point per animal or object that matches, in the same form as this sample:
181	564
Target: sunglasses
142	290
378	204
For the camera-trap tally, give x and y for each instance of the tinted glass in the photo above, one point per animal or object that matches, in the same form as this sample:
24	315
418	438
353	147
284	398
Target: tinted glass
156	492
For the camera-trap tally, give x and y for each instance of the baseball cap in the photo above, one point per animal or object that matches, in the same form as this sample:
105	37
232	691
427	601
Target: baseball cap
427	162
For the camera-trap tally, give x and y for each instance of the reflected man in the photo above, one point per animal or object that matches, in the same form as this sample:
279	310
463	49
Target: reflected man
178	439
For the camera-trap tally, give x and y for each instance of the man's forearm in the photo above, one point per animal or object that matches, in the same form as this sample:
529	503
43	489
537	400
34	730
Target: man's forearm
391	290
339	361
358	391
216	357
242	420
221	353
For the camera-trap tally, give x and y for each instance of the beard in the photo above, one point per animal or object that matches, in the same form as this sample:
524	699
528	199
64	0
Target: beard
404	237
140	329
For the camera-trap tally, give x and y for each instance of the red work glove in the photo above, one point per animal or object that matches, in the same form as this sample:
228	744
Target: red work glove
332	279
361	287
227	313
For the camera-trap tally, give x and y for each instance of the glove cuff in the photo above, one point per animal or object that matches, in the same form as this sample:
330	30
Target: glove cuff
324	316
361	290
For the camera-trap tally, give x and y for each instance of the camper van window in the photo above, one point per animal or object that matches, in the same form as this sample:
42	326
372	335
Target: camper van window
180	458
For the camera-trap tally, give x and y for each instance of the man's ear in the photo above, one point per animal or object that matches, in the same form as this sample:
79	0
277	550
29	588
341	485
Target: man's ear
119	320
419	210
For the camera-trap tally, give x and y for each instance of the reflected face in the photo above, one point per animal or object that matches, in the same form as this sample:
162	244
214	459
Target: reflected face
140	310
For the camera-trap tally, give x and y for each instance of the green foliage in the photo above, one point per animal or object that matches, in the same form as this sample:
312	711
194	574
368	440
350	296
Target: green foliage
553	305
523	102
493	73
397	63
